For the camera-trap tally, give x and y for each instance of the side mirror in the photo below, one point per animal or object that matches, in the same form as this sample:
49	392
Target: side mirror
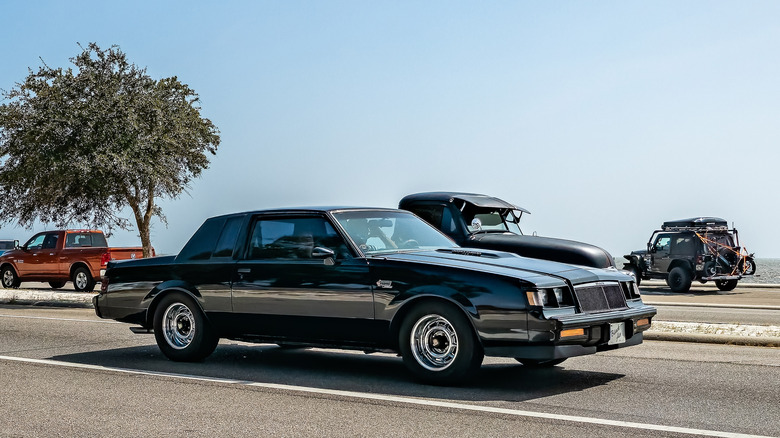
16	244
327	254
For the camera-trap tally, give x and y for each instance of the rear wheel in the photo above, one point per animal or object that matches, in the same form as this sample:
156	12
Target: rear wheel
726	285
438	344
9	278
747	266
82	280
679	279
56	284
535	363
181	330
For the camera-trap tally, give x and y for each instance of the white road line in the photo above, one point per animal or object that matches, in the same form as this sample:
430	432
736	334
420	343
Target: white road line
60	319
396	399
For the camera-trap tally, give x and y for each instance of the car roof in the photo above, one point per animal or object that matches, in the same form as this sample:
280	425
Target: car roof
314	209
472	198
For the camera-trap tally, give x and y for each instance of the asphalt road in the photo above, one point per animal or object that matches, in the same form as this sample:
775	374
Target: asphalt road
65	372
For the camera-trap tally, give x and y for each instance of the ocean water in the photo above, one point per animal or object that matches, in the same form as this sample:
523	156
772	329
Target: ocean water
767	271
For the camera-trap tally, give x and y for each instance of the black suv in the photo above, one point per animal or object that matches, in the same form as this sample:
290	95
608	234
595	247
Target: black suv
701	248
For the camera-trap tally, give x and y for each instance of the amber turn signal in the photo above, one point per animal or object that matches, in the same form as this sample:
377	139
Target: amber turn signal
643	321
572	332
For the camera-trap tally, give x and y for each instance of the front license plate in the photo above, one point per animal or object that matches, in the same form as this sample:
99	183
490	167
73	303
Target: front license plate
617	333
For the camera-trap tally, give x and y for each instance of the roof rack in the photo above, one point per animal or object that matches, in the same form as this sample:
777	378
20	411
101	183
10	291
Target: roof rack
696	224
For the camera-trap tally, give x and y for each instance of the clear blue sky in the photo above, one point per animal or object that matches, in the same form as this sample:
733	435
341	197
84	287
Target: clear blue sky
602	118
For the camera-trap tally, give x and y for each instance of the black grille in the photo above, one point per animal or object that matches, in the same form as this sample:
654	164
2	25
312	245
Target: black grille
600	297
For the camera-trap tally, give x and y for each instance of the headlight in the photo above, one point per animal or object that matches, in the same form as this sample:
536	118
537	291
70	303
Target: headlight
558	292
537	297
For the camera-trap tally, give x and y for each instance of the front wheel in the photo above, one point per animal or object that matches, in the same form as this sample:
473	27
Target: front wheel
438	344
82	280
181	330
726	285
536	363
634	272
9	278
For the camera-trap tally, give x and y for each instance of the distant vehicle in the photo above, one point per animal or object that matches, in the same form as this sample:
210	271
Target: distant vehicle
59	256
7	245
370	280
480	221
701	248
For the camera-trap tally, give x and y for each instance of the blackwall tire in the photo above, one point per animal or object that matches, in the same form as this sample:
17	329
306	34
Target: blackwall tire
635	273
9	278
181	330
82	280
679	280
747	266
535	363
726	285
438	344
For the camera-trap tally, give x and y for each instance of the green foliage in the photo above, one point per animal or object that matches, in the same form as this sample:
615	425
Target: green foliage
77	146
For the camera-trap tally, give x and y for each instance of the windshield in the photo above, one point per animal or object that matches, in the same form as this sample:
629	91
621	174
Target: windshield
390	231
486	219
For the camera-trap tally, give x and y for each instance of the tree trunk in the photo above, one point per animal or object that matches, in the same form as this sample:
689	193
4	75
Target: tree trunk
143	219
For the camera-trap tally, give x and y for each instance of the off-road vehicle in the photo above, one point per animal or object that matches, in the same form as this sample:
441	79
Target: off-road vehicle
702	248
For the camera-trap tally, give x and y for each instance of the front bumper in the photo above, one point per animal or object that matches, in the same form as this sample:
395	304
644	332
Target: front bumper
578	334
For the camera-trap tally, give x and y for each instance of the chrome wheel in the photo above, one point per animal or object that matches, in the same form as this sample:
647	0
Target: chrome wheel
8	278
434	342
178	326
80	280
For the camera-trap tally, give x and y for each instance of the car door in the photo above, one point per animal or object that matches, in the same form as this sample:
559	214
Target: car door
48	256
660	250
28	262
298	280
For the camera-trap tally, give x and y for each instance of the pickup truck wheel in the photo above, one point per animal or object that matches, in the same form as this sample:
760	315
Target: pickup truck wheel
535	363
181	330
726	285
56	284
679	280
82	280
438	345
9	278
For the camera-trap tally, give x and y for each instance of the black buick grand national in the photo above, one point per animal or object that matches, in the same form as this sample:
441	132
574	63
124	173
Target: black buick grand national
373	280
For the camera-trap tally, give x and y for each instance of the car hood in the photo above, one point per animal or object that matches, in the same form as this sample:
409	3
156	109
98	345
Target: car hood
548	248
536	271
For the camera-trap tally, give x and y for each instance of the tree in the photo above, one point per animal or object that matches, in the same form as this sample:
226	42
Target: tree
80	146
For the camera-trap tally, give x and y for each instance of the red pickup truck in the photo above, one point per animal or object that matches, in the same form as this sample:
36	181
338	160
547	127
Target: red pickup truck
80	256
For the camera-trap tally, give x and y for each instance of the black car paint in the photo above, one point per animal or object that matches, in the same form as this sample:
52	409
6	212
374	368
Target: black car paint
547	248
359	302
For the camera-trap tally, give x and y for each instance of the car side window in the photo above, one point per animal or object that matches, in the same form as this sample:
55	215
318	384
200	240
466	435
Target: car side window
36	242
77	240
662	244
50	241
227	239
293	238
